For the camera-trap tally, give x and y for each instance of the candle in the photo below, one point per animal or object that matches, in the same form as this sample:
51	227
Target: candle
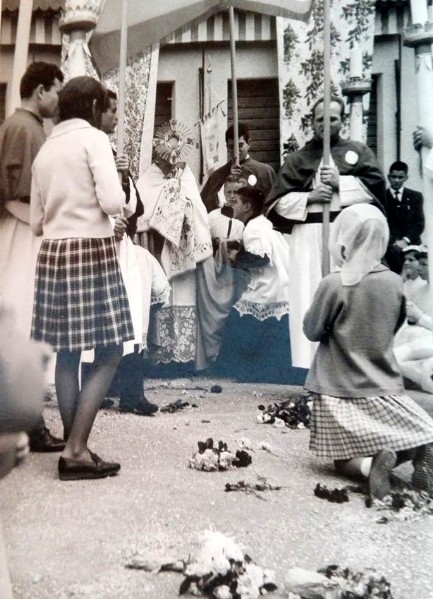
356	62
418	9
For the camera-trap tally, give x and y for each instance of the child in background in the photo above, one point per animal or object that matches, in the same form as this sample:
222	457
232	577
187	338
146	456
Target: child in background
412	280
221	221
362	418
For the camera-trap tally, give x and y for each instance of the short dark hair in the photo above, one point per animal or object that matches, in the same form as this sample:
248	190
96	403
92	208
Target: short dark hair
76	100
110	95
39	73
243	131
236	179
254	196
321	100
399	165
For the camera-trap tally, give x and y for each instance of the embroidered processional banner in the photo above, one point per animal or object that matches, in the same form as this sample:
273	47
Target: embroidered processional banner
138	70
209	132
300	62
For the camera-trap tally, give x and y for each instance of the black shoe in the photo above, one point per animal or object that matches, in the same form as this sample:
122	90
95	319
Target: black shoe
70	469
106	404
44	442
379	484
142	408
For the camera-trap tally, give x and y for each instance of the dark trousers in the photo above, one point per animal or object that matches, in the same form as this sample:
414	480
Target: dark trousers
127	383
130	378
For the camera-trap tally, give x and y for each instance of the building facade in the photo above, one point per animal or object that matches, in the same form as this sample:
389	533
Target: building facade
194	75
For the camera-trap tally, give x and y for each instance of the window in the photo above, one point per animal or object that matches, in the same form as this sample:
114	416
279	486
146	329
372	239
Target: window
163	104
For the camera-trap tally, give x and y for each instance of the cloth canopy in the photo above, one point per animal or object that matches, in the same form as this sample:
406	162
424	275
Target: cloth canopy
149	22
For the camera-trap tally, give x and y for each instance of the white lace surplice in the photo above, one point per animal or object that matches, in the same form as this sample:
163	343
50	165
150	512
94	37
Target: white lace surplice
267	294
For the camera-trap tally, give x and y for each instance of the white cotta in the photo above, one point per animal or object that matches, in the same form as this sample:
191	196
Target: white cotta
358	241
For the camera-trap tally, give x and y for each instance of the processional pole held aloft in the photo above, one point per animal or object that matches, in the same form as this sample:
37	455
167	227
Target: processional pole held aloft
420	37
122	78
234	85
326	125
20	53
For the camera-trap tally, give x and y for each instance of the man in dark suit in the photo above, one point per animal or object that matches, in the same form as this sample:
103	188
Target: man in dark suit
405	214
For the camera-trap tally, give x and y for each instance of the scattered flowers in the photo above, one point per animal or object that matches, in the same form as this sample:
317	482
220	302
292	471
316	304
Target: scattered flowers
334	582
406	505
176	406
220	570
294	412
252	488
213	458
334	495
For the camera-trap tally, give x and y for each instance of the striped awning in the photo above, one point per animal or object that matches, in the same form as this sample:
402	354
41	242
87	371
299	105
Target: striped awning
249	27
392	17
44	30
44	5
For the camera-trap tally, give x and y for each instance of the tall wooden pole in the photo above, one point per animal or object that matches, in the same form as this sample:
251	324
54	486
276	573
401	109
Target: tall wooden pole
326	125
122	78
234	85
20	54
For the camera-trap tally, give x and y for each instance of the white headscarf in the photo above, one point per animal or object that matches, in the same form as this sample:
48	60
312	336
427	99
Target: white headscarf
358	241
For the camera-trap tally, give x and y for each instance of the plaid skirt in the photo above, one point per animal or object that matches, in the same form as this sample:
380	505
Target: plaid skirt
344	428
80	300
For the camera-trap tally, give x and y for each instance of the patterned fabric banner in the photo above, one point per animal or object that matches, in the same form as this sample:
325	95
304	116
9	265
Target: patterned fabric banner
209	130
137	79
300	62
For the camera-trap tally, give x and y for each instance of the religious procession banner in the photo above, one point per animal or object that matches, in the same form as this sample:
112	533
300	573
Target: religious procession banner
138	70
300	62
139	85
209	132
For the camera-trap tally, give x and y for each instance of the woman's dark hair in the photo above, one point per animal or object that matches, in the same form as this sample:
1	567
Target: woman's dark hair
82	98
253	196
110	95
39	73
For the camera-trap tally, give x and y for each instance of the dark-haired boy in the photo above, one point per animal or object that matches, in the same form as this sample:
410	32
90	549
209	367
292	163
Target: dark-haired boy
257	173
256	345
130	373
21	137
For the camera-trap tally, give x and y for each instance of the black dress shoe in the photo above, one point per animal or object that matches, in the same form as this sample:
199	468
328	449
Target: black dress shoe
70	469
106	404
142	408
44	442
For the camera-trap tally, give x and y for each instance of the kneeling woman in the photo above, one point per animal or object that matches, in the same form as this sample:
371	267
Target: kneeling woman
80	299
362	418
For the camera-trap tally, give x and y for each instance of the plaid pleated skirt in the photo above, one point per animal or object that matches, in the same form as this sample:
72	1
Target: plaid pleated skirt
344	428
80	299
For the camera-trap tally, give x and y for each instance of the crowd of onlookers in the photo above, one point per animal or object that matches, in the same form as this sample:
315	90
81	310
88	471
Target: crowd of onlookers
219	279
229	279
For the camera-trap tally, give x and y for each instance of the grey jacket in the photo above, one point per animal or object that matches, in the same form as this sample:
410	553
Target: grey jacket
355	326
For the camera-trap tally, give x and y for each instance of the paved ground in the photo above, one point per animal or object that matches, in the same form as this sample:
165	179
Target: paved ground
73	539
